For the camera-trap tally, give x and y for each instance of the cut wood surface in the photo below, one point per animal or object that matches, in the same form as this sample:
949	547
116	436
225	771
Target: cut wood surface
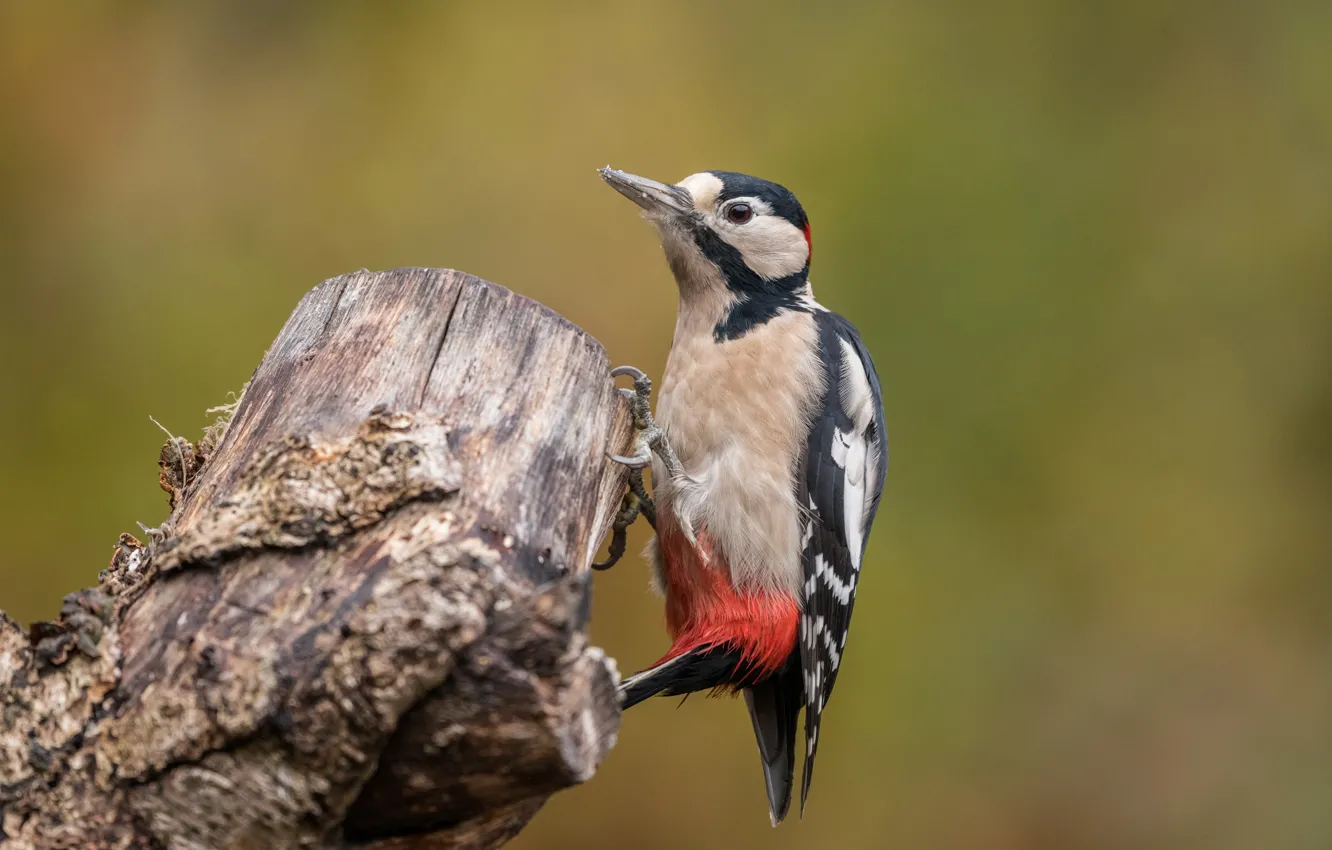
364	623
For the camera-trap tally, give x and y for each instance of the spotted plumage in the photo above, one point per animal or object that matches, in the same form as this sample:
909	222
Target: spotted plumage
844	464
772	412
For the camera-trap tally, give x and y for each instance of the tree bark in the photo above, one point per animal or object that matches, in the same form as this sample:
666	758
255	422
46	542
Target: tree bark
364	623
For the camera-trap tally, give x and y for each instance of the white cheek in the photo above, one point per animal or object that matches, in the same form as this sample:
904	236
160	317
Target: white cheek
771	246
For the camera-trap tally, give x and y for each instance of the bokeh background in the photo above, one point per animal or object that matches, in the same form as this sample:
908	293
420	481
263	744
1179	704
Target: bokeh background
1089	246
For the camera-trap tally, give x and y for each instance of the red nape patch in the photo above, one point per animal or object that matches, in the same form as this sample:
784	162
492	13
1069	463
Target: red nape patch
809	243
703	608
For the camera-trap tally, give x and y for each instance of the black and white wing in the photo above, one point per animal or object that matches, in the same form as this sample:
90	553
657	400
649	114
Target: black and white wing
845	460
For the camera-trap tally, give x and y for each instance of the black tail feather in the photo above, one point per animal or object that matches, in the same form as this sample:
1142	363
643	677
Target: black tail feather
698	669
774	707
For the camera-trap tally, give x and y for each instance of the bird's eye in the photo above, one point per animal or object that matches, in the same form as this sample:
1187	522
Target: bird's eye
739	213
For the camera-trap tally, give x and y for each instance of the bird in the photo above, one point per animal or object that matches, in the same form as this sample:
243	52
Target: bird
768	455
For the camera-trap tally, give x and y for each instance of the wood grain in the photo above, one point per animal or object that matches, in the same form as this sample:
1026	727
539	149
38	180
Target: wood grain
364	623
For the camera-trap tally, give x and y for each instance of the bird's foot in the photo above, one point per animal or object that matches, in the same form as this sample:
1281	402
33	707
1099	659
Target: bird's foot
651	438
636	501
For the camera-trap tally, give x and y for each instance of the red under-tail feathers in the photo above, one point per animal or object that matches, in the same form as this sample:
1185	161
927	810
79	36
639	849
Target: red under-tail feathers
704	609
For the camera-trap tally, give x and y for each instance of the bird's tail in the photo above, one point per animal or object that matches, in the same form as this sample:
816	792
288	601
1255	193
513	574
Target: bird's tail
774	704
700	669
774	707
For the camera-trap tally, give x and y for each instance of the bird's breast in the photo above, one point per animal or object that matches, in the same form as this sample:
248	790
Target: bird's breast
737	414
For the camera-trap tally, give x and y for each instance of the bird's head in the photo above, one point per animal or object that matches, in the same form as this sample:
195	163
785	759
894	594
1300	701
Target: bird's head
724	230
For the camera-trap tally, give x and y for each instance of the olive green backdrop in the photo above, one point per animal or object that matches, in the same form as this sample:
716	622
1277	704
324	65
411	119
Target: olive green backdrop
1090	248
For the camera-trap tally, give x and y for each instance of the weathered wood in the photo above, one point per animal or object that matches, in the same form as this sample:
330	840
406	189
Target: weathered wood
364	622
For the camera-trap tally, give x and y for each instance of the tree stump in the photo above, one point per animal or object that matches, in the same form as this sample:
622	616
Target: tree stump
364	623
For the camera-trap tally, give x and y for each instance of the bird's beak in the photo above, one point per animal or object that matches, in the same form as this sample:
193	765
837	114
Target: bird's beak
655	198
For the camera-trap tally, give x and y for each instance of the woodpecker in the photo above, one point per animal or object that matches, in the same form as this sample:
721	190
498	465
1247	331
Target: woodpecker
768	456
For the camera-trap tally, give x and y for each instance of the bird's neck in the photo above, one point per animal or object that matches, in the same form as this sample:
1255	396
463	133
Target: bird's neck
754	308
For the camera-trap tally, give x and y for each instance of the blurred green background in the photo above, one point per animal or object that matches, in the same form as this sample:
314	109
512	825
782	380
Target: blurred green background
1089	246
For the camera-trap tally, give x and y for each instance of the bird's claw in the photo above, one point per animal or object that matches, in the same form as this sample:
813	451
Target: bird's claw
638	461
630	371
650	440
639	397
636	501
629	511
651	437
646	506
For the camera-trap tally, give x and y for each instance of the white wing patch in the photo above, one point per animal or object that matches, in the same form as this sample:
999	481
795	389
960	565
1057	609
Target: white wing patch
852	452
857	397
841	447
